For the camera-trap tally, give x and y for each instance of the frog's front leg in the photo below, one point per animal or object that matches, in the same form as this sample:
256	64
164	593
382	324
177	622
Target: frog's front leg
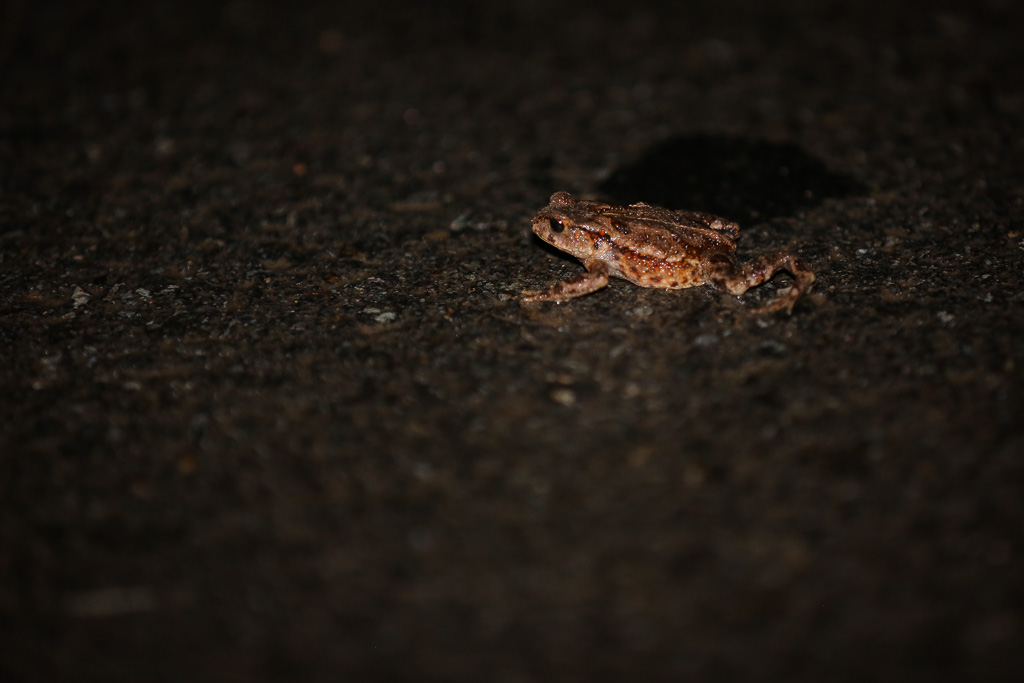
594	279
724	273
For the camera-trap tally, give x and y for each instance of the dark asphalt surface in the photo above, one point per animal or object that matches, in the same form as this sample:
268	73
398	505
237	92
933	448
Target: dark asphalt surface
272	411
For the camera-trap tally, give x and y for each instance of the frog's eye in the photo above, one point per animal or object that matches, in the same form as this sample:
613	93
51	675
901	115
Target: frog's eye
556	225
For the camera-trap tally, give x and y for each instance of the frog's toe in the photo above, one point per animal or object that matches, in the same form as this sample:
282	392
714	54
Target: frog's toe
786	299
531	296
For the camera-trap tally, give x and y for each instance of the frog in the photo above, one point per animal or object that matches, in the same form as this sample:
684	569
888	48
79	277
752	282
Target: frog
651	246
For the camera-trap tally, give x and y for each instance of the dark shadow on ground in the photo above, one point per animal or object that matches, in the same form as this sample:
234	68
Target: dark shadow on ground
740	178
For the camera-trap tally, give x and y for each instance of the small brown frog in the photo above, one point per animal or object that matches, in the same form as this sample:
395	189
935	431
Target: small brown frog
655	247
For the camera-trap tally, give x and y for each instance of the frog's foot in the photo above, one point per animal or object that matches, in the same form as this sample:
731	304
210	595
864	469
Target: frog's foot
786	300
592	280
736	280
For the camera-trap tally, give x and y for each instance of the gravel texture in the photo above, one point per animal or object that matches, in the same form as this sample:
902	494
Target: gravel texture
272	410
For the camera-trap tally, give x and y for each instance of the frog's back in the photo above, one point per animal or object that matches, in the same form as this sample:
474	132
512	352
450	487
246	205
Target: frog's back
671	235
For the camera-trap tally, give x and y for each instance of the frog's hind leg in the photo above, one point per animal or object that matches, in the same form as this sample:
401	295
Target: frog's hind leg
725	274
592	280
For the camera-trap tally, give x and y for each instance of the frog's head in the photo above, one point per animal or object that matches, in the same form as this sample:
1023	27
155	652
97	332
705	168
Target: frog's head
564	223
